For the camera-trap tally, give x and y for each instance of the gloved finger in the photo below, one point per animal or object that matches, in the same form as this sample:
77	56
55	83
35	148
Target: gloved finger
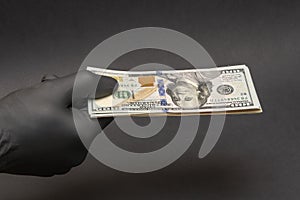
49	77
88	85
87	128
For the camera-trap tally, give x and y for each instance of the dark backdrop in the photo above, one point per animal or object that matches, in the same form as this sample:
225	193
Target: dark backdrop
257	156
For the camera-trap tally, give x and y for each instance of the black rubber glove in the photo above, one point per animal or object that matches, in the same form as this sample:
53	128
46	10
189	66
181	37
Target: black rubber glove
37	132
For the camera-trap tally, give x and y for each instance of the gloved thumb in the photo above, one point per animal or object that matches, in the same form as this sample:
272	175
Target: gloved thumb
87	85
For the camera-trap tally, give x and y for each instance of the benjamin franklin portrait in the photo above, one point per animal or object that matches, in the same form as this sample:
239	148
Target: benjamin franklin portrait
189	90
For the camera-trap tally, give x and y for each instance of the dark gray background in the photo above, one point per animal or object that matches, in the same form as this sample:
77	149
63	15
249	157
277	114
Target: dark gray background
257	156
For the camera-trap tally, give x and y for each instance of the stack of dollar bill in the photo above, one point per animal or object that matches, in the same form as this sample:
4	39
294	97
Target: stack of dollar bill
220	90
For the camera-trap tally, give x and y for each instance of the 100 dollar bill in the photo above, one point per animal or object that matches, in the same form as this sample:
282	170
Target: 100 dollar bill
178	92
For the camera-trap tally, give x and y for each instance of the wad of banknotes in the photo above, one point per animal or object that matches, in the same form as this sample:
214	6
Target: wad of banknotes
220	90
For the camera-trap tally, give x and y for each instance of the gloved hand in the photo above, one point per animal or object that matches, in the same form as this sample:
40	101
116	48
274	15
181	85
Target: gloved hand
37	131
